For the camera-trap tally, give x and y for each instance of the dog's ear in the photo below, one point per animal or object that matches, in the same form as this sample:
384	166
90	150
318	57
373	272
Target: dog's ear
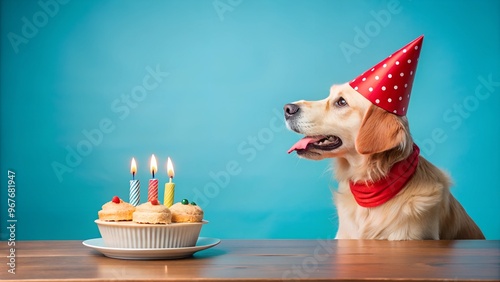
379	132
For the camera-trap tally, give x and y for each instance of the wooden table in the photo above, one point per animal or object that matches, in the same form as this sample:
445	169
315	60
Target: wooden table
266	260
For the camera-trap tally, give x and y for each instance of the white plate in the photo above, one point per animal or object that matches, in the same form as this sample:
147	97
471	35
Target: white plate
145	254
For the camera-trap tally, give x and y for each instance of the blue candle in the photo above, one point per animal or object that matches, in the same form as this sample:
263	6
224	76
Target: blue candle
135	186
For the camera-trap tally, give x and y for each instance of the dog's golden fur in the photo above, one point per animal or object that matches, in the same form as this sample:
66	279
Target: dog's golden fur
373	140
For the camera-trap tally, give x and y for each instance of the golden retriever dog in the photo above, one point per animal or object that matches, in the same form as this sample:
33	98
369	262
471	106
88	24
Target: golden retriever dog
366	142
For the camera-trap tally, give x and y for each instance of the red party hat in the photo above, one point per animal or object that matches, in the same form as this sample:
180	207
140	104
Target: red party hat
388	83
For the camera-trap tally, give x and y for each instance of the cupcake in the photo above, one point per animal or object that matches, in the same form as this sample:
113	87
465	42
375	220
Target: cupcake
186	212
150	229
116	210
152	212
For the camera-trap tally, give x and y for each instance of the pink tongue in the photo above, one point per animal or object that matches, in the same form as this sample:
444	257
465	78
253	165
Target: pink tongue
302	143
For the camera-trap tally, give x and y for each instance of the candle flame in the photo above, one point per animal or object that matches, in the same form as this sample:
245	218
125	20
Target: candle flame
170	168
133	167
153	166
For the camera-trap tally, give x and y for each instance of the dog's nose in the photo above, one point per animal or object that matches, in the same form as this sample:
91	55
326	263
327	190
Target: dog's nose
290	110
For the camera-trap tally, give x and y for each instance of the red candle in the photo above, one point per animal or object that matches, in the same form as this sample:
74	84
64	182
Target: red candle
153	183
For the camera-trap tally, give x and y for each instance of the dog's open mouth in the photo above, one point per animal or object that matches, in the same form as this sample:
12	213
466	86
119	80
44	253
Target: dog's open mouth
326	143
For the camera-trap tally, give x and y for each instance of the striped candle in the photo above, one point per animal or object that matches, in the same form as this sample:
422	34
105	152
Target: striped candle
153	190
169	194
153	183
170	186
135	185
135	192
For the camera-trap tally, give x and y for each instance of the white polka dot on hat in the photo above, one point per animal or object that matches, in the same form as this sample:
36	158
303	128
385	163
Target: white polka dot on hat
381	87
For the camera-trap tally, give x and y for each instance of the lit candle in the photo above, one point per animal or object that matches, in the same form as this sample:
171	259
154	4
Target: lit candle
153	183
170	186
135	185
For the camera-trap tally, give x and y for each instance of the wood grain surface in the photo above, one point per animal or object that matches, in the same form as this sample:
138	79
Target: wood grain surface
266	260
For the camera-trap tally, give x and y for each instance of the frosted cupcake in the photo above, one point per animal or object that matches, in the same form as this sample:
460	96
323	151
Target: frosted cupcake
152	212
116	210
186	212
150	229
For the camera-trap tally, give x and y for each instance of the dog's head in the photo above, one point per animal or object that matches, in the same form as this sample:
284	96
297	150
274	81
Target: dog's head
345	123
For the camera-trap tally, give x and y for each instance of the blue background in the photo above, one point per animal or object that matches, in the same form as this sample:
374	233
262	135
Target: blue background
67	70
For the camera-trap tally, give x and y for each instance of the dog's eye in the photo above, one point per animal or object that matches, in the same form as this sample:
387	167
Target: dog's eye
341	102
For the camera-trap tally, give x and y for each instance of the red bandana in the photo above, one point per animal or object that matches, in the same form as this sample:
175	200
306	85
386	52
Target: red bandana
372	194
